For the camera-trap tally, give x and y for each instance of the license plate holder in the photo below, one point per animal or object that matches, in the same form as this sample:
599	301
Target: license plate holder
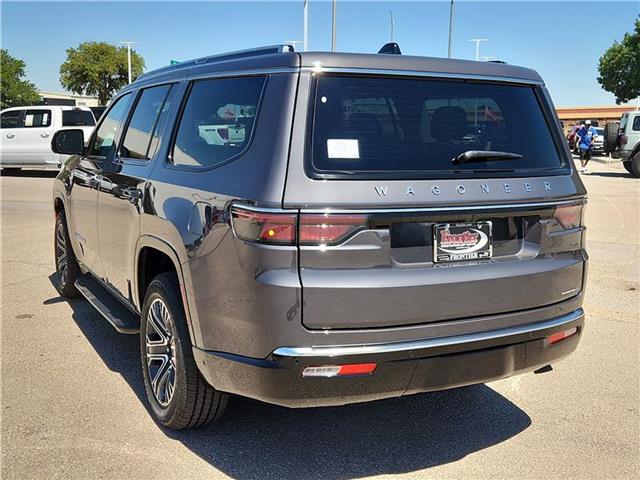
458	242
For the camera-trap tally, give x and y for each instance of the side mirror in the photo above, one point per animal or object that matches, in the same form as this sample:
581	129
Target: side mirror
68	142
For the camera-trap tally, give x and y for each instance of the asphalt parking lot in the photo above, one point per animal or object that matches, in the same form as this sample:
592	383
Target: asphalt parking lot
73	401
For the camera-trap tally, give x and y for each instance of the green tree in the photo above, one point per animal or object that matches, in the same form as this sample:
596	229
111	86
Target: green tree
98	68
620	67
14	89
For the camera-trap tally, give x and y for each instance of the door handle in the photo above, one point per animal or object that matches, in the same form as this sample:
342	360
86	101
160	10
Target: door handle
44	135
11	135
132	194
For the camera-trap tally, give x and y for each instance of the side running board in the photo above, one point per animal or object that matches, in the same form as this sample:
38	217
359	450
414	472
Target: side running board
118	315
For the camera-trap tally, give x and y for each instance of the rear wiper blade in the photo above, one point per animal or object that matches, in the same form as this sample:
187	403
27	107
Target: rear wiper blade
484	156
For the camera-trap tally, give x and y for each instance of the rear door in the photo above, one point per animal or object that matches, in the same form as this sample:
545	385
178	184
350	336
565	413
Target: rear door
122	186
394	232
35	137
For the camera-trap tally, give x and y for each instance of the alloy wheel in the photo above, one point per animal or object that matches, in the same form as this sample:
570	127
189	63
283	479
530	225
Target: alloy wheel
161	352
62	264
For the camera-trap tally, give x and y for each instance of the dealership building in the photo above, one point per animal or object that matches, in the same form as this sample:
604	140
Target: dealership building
601	114
68	99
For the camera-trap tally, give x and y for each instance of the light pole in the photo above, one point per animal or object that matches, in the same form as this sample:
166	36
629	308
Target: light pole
477	41
333	26
128	44
450	28
305	45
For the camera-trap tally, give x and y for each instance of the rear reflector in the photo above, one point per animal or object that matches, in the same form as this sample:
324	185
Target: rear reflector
339	370
559	336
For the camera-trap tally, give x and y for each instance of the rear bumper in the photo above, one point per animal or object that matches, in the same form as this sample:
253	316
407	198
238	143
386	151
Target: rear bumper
402	368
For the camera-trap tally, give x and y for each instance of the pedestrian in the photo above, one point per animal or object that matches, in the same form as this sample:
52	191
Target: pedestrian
585	136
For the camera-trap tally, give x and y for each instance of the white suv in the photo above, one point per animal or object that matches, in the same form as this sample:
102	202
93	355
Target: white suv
25	134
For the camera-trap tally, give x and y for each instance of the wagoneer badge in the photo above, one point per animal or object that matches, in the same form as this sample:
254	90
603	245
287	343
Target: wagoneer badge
506	187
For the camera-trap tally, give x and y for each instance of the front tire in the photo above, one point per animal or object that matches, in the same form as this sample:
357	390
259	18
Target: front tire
178	395
67	267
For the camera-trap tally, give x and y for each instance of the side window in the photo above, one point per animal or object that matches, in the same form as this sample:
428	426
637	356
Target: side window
11	119
217	121
37	118
144	121
77	118
102	142
636	124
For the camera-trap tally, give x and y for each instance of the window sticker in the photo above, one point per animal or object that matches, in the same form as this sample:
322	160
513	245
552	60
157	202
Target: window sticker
342	148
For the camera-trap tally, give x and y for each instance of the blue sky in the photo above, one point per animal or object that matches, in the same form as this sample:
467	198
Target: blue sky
562	40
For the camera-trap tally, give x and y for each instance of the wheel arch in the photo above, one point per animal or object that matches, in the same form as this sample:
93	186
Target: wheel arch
155	256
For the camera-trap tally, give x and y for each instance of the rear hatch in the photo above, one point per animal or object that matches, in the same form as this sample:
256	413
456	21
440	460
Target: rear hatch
394	232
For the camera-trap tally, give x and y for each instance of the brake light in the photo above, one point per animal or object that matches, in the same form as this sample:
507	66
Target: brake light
264	227
329	229
224	133
569	216
281	228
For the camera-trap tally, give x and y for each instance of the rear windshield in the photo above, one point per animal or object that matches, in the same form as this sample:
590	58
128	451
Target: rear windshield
413	128
77	118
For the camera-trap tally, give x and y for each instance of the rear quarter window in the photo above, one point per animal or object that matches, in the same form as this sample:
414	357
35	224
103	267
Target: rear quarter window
217	121
414	127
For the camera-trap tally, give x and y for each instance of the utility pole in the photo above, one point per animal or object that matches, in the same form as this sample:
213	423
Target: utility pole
128	44
333	26
477	41
450	28
392	24
305	45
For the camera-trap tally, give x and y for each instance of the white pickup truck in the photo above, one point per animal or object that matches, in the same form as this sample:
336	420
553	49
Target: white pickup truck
26	132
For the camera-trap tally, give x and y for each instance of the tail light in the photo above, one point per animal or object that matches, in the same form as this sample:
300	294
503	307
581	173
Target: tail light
224	133
623	139
283	228
569	216
264	227
329	229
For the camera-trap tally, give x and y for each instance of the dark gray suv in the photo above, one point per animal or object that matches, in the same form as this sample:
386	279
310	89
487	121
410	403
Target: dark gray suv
315	229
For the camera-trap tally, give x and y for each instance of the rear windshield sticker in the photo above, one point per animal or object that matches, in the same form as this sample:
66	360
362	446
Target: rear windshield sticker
342	148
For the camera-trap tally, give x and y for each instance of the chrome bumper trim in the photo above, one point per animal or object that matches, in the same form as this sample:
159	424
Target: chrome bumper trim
338	351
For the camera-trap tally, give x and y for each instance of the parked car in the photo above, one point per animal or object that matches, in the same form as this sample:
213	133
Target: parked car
353	243
26	132
598	140
623	141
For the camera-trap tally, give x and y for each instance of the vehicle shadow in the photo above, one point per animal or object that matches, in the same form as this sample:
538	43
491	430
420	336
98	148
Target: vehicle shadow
611	174
29	173
255	440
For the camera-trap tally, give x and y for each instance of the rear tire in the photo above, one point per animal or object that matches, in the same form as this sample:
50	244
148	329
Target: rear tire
627	167
67	267
177	393
634	165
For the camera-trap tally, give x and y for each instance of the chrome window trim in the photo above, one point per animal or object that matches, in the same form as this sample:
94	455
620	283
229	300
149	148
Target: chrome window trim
416	73
338	351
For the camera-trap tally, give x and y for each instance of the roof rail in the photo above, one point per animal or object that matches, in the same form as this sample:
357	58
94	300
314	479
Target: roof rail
221	57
